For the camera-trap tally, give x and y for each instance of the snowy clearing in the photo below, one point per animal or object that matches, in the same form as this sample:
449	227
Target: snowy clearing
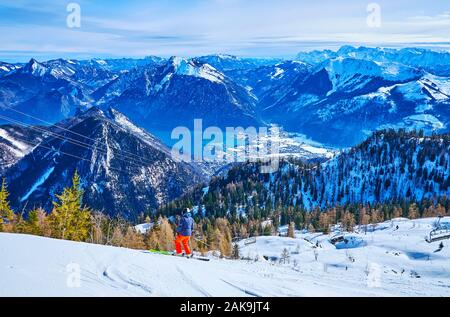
17	144
384	262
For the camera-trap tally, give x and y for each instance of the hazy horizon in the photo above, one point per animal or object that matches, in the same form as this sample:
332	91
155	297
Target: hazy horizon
25	59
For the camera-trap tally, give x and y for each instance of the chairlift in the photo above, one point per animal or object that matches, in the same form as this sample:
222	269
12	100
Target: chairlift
337	238
250	240
236	239
438	233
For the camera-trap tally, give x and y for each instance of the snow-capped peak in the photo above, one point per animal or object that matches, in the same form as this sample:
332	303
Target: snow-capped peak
6	68
343	71
100	61
57	68
35	68
226	56
186	67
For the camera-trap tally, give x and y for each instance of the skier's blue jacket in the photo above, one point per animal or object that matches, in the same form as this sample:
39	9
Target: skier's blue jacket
186	225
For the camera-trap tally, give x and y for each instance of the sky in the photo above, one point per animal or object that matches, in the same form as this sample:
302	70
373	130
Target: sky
259	28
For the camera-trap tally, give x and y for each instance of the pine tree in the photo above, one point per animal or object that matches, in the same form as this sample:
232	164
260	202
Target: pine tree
364	219
440	210
324	222
99	224
118	238
133	239
37	223
348	221
291	230
267	231
20	225
70	219
397	213
222	243
6	213
152	240
210	236
413	212
166	235
375	218
223	237
236	255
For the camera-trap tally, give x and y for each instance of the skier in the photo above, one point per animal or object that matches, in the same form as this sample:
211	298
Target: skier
184	231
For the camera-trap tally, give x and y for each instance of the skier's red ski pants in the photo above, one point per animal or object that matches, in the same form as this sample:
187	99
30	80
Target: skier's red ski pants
182	240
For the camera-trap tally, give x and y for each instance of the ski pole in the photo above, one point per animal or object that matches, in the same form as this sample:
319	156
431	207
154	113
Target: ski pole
196	239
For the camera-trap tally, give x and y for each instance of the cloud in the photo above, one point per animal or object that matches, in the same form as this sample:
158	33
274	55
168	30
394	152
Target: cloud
197	27
439	20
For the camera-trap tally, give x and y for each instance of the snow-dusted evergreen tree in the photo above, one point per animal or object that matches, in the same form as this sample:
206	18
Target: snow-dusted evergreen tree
6	213
70	219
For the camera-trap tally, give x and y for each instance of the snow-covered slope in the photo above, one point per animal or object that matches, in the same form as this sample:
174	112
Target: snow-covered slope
16	142
6	68
392	258
387	262
350	75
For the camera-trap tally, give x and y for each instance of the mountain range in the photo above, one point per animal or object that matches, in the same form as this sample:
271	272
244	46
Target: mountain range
334	97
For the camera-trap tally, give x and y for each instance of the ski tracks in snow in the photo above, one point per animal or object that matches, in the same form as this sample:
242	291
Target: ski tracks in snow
245	291
192	283
123	281
110	272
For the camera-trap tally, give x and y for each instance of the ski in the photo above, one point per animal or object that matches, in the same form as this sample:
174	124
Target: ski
195	257
161	252
200	258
